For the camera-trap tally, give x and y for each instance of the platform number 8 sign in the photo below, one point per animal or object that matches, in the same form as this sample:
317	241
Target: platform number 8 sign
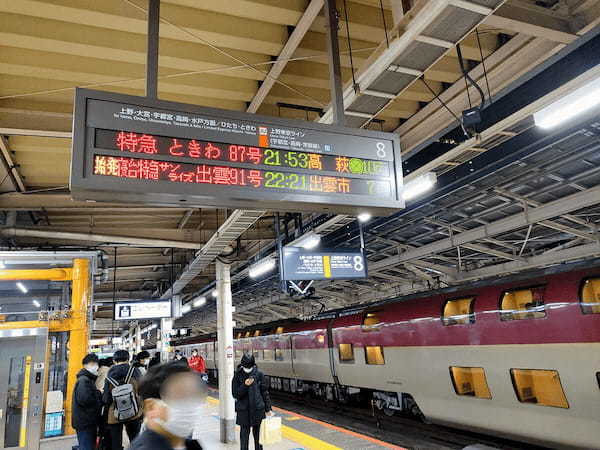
359	264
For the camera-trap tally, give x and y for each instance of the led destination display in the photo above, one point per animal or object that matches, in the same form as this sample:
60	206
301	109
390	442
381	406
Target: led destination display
155	152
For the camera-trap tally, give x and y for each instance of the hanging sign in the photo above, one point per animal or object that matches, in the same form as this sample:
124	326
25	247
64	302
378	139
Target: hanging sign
301	264
142	310
158	152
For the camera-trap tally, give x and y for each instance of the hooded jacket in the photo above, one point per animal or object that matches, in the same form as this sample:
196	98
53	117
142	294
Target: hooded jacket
251	402
87	402
118	372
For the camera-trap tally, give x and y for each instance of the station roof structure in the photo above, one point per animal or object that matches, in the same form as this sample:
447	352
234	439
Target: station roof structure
401	74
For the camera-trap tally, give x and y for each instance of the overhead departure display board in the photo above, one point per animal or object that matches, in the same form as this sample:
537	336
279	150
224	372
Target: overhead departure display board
168	153
301	264
142	310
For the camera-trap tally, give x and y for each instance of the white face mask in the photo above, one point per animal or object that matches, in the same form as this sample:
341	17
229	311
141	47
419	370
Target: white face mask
247	369
92	369
182	418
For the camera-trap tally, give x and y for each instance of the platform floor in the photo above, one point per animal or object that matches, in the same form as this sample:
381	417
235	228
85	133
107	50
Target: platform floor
299	433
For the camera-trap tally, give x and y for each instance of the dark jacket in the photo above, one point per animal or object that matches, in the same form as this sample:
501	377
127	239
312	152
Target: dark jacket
251	402
87	402
149	440
118	372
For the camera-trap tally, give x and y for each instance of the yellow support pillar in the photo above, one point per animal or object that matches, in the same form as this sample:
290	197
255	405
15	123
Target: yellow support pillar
78	339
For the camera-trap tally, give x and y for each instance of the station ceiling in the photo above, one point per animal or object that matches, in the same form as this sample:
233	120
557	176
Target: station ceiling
219	54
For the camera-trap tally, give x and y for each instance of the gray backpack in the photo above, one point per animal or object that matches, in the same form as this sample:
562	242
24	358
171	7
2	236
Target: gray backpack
124	398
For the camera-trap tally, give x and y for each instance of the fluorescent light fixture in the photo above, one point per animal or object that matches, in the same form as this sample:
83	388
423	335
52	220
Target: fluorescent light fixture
2	265
22	287
419	186
186	308
364	217
36	303
261	267
571	105
199	301
214	293
308	241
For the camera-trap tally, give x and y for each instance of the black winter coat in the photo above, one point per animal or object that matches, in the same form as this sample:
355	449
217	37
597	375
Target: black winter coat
251	402
87	402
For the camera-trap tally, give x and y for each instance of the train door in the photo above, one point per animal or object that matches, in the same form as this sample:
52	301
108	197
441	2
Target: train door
22	387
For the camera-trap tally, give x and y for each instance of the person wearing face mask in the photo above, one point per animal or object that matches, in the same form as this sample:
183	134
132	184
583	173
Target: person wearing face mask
141	361
87	404
251	400
173	397
197	363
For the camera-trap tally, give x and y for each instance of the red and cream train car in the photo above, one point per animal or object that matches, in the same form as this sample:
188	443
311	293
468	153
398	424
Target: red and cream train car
519	360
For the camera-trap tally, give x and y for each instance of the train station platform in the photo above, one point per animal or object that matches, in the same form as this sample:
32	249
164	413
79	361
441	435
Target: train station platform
298	431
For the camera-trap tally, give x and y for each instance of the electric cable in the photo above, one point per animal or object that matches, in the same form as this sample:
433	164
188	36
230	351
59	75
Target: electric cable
487	82
350	46
468	77
437	97
387	41
228	55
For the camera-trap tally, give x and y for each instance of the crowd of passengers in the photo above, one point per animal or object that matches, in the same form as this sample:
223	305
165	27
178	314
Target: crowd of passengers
160	405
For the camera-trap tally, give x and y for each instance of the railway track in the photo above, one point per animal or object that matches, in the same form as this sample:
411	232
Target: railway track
402	431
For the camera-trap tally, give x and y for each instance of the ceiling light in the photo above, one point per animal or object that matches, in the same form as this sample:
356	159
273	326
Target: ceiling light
36	303
364	217
22	287
308	241
419	186
2	265
569	106
261	267
199	301
186	308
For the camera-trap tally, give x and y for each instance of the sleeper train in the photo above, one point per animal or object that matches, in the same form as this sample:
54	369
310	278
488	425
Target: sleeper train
517	359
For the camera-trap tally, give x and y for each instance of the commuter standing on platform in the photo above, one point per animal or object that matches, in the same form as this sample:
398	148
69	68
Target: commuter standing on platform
123	379
251	400
87	404
141	361
105	365
180	358
197	363
173	397
103	432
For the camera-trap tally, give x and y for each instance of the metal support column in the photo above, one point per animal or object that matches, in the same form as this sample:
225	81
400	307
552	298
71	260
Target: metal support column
335	71
138	339
225	355
166	325
152	49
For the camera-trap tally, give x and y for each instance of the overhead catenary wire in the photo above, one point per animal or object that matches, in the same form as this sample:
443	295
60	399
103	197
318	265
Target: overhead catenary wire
487	82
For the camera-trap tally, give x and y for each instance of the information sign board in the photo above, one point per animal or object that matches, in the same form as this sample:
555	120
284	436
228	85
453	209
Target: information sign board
160	152
142	310
301	264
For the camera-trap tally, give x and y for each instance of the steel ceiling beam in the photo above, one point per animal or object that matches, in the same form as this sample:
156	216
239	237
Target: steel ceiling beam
549	210
300	30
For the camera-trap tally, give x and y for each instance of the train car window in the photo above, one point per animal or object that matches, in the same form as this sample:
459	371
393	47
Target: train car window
374	355
255	353
470	381
239	335
268	354
279	330
541	387
371	322
346	353
589	294
459	311
256	333
247	334
278	354
239	354
526	303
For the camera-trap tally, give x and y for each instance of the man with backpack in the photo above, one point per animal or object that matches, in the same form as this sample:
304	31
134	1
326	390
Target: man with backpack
122	399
